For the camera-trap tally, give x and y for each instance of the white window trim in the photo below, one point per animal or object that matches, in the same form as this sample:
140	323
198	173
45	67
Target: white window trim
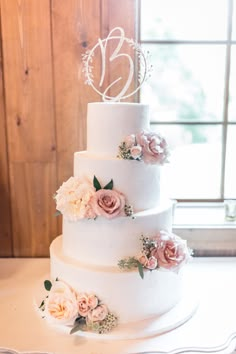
204	227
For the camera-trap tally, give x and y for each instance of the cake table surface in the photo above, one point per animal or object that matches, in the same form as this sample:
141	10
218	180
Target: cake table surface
212	329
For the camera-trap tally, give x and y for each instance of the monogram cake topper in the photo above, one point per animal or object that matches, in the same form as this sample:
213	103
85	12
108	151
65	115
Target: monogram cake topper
108	54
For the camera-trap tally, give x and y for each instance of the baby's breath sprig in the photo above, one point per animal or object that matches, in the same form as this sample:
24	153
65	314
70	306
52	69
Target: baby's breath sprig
128	210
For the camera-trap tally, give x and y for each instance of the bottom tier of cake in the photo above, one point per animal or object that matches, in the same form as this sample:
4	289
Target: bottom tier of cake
126	294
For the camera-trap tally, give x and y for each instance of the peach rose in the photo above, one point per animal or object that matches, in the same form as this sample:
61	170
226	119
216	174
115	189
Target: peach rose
61	304
143	259
83	304
171	250
136	152
108	203
154	147
73	199
98	314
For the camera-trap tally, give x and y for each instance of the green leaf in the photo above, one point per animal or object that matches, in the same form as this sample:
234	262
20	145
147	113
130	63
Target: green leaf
96	184
140	270
47	285
109	185
57	213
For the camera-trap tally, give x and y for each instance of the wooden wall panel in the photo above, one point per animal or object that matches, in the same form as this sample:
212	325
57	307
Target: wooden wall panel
76	24
5	218
120	14
26	33
43	107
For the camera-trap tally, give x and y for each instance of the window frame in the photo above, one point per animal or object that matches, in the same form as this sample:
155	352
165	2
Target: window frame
225	123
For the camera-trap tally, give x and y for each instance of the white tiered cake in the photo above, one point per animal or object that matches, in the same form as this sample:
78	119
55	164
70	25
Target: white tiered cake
118	247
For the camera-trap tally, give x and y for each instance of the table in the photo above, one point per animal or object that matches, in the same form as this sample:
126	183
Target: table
212	329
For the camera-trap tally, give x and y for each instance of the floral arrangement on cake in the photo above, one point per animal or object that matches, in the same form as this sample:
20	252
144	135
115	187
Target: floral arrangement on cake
149	147
78	199
79	311
165	250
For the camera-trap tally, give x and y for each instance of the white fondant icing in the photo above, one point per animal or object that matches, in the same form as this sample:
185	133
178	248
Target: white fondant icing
139	182
105	242
125	293
109	123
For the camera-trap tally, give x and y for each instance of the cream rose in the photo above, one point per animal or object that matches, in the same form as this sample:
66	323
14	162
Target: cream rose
171	251
73	199
61	304
154	147
98	314
108	203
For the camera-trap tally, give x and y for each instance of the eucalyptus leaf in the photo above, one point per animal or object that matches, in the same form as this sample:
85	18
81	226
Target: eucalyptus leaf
109	185
78	327
47	285
140	270
96	184
57	213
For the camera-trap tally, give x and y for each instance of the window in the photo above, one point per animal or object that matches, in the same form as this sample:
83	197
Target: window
192	92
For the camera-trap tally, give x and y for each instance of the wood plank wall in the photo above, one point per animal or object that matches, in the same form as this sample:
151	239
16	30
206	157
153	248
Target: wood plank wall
43	103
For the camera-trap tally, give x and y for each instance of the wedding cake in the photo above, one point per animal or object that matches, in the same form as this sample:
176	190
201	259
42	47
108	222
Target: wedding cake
117	261
116	270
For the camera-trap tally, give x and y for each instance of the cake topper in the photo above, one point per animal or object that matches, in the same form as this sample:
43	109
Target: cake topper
144	68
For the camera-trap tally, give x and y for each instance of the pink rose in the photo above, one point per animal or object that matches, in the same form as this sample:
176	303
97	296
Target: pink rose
98	314
83	304
108	203
136	152
151	263
61	304
171	250
154	147
92	301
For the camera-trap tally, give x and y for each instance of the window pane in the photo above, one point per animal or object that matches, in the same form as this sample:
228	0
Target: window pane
230	175
187	82
184	19
234	22
194	171
232	93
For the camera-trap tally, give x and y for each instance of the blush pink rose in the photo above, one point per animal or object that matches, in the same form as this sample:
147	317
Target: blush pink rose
61	304
98	314
129	140
171	251
136	152
92	301
154	147
108	203
83	304
151	263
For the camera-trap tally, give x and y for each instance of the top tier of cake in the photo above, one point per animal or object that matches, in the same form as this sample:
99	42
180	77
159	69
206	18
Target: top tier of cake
113	121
